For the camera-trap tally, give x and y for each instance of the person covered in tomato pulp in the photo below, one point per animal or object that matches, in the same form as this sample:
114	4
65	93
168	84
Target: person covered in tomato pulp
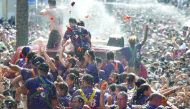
80	38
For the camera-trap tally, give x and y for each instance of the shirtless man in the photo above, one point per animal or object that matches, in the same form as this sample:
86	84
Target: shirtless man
55	17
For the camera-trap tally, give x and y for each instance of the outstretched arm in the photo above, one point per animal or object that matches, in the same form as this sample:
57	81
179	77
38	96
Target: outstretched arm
145	35
61	56
48	59
15	68
171	105
175	43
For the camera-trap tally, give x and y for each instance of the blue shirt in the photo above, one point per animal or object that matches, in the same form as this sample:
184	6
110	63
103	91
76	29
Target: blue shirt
88	92
150	107
65	100
111	67
40	100
101	74
79	36
133	56
115	107
26	74
62	71
93	70
52	75
21	62
140	101
72	90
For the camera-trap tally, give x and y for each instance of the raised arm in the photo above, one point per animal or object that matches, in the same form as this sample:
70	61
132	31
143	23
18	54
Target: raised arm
48	59
61	56
175	43
171	91
171	105
15	68
145	35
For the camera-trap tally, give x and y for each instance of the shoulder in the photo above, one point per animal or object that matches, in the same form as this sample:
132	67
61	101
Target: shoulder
139	45
25	70
117	61
36	79
124	49
31	81
77	92
98	92
50	82
91	65
82	28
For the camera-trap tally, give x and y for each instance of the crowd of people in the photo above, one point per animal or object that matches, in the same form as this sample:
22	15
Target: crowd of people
151	73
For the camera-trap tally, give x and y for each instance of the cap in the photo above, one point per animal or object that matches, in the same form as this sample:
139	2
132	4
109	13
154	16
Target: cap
37	61
43	67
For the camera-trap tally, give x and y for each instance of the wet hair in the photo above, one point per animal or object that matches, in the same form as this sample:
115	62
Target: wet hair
110	55
89	79
44	68
72	61
72	76
140	81
139	94
131	77
31	56
81	23
123	94
37	61
121	88
122	77
25	51
72	20
63	87
112	87
116	77
91	54
132	40
75	71
56	58
52	2
80	99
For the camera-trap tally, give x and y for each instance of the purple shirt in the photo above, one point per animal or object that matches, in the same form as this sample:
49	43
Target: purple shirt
21	62
52	75
111	67
72	90
40	100
65	100
62	71
78	36
26	74
88	92
93	70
